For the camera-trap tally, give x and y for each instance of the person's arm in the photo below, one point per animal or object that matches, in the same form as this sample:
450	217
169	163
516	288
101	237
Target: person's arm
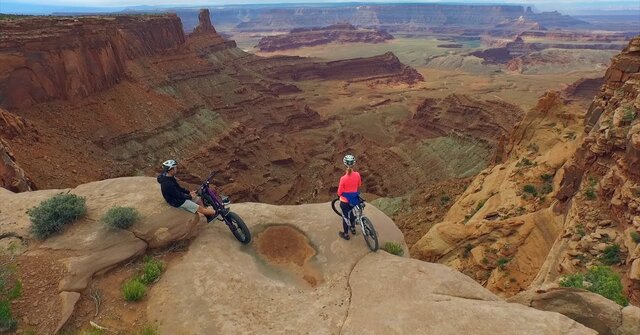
182	192
340	187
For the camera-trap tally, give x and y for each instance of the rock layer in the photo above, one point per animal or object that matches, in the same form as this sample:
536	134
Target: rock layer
65	58
338	33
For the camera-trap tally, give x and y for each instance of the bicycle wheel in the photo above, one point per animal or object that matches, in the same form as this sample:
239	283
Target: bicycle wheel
335	205
370	235
238	228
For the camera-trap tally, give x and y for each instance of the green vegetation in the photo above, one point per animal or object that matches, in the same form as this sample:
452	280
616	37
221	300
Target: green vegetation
629	115
394	248
530	189
485	260
546	177
467	250
133	290
502	262
611	255
54	213
525	162
120	217
590	191
10	289
479	206
599	279
148	330
635	236
444	200
151	271
580	230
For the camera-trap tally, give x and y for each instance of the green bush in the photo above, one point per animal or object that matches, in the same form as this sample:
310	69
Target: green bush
629	115
151	271
611	255
6	319
120	217
133	290
635	236
601	280
546	188
394	248
467	250
573	280
530	189
54	213
502	262
444	200
148	330
546	177
525	162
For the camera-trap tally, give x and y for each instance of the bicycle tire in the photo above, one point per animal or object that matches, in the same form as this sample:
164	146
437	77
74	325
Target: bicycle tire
335	202
370	235
241	232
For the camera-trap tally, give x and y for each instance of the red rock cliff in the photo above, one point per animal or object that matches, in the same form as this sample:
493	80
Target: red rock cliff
43	59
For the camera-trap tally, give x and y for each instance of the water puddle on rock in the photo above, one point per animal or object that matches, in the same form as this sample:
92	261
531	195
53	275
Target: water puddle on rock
287	248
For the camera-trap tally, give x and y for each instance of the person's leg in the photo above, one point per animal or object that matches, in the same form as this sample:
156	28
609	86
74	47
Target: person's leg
346	214
206	211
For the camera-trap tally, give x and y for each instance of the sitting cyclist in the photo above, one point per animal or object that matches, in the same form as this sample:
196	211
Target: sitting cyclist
178	196
349	195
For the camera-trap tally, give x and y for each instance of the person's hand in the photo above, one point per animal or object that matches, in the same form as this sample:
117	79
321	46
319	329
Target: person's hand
193	194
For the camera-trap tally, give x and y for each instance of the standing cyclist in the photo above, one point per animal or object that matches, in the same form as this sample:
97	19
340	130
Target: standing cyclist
349	195
176	195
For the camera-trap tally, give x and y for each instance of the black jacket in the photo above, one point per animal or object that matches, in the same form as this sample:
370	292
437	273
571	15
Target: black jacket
172	192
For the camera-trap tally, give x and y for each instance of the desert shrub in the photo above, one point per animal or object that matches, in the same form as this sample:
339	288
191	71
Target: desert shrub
133	290
51	215
151	271
467	250
580	230
635	236
120	217
546	188
444	200
6	318
525	162
629	115
590	190
530	189
575	280
393	248
502	262
611	255
599	279
480	204
148	330
546	177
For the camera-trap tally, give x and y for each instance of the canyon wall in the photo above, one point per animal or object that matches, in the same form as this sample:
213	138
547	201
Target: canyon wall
42	59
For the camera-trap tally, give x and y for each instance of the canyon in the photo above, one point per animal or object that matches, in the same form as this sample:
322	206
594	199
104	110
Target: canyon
477	132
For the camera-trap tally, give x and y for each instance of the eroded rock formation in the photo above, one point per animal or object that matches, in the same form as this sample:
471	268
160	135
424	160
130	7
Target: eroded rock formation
43	59
560	200
338	33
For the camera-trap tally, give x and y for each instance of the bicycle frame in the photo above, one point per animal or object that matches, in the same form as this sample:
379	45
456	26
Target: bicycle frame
211	197
357	213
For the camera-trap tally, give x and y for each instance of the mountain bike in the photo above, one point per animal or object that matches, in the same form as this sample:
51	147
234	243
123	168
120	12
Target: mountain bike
221	206
369	233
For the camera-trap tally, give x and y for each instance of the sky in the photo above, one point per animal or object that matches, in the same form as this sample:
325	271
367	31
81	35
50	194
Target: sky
560	5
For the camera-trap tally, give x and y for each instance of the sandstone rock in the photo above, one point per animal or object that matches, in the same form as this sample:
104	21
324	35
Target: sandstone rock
601	246
227	278
204	23
634	271
589	309
445	301
69	300
630	321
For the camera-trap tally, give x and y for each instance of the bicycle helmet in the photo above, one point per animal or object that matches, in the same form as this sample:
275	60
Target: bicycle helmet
349	161
168	165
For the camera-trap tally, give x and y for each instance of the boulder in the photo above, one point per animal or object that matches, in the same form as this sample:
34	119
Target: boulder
587	308
242	289
391	295
69	300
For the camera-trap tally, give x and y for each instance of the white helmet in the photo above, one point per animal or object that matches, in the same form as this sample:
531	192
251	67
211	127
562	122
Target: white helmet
168	165
349	161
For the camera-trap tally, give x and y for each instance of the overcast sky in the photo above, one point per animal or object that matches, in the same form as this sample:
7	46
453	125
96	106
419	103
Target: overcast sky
84	3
